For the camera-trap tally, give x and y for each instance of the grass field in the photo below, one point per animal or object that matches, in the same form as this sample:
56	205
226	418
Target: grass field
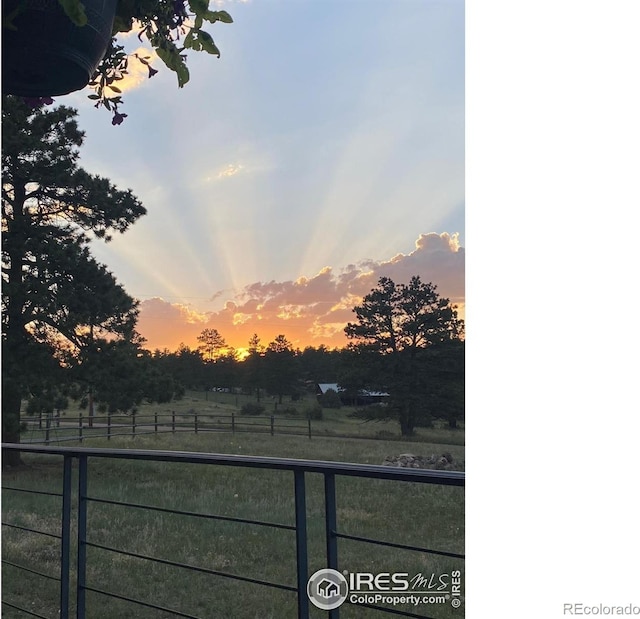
214	410
406	513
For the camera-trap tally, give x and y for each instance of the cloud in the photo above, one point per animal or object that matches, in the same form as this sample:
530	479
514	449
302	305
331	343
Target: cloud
226	171
167	325
230	170
309	310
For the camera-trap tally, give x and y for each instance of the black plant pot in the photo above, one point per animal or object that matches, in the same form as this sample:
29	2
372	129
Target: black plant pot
48	55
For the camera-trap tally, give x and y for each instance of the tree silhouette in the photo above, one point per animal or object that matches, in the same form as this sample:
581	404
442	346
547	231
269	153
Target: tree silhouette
398	328
253	366
281	367
51	287
211	344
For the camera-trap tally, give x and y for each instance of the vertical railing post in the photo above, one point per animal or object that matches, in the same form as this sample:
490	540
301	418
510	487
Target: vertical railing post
109	426
40	420
271	425
331	528
195	422
155	421
47	428
65	539
80	428
301	544
233	423
133	422
82	537
309	424
331	520
173	421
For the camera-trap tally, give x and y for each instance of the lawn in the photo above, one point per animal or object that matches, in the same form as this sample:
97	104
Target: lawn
406	513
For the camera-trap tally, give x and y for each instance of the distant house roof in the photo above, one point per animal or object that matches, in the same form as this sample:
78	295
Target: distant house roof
324	387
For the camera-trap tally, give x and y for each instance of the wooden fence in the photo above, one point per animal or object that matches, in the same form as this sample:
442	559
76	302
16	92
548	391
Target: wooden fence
47	429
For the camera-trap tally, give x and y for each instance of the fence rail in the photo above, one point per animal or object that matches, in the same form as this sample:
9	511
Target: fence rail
56	429
81	457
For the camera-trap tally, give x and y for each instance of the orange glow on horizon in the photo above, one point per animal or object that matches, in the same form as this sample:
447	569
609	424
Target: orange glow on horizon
308	311
301	332
162	336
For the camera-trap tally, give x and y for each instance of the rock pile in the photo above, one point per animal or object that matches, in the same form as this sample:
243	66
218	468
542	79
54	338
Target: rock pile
441	462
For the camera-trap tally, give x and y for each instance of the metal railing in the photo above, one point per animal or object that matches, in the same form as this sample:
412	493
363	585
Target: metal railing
81	457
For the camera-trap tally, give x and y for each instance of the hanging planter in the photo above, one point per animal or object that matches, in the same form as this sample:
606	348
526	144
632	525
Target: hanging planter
44	53
54	47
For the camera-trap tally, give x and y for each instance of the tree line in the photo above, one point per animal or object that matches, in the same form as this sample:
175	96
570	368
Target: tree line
69	327
406	343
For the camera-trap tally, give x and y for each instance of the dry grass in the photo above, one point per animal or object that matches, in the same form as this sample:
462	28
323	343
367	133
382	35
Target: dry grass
408	513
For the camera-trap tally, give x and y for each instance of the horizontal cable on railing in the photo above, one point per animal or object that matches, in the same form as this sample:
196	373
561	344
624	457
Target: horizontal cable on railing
32	491
194	568
24	610
167	510
177	613
441	553
28	569
15	526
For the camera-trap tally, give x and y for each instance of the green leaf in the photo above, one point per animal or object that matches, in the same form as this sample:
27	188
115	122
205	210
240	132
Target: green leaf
121	24
189	40
207	43
222	16
75	11
183	75
174	61
170	57
199	7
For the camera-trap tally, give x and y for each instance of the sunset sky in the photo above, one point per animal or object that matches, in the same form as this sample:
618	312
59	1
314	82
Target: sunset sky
324	149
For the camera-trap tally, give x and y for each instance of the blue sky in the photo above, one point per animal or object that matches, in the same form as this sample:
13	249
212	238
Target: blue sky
329	134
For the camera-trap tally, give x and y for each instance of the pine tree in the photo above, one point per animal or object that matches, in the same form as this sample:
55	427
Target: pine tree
399	328
55	297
